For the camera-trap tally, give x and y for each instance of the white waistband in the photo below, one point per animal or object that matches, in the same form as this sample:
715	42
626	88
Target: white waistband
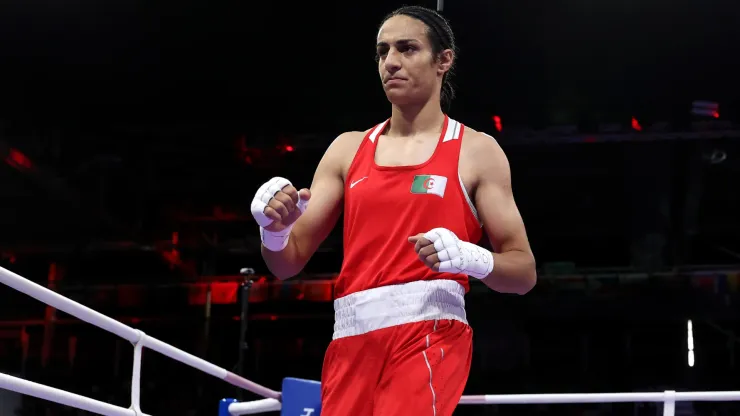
387	306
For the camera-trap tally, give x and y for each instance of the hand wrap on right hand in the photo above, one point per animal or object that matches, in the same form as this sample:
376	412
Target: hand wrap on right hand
272	240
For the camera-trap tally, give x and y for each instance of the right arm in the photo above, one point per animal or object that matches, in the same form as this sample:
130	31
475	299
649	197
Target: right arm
325	207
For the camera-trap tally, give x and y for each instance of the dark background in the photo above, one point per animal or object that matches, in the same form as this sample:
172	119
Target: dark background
134	135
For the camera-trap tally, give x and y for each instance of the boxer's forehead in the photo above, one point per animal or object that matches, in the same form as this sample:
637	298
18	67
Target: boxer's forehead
402	29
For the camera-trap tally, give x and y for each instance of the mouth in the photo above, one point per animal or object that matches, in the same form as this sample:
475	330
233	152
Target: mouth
394	80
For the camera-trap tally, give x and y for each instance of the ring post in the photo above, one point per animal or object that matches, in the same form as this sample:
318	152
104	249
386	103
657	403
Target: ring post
248	273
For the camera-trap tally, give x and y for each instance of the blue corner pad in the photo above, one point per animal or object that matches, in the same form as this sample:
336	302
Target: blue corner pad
301	397
223	406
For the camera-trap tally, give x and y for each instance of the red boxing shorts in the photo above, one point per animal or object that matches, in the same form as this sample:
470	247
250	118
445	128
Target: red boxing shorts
398	350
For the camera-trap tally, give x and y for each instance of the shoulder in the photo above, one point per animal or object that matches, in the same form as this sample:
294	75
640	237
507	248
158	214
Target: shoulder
345	146
341	151
347	142
484	153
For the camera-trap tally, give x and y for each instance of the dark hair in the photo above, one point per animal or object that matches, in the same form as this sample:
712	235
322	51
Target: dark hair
440	36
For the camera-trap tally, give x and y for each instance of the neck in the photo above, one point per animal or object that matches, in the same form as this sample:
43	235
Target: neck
410	120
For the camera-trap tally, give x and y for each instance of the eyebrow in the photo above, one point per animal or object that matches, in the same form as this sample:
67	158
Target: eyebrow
398	42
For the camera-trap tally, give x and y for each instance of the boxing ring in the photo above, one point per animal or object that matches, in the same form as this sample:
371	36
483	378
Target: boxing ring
297	398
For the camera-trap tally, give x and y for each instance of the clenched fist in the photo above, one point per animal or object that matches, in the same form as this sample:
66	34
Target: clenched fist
277	204
442	251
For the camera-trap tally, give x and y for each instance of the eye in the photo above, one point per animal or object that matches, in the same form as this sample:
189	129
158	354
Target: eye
406	49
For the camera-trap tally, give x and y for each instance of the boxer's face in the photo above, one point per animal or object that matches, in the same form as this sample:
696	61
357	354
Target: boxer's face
408	67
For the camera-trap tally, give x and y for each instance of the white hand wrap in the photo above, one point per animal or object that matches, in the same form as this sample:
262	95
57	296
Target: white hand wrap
456	256
273	241
263	196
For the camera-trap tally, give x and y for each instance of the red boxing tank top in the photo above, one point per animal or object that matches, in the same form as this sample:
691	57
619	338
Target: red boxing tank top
384	205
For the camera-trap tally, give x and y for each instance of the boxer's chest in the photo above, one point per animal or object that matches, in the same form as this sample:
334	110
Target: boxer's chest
418	151
408	185
395	152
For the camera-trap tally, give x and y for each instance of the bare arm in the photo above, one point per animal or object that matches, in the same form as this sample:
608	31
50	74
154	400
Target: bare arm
325	206
514	268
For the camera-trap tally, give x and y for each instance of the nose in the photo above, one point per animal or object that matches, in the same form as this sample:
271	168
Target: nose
392	61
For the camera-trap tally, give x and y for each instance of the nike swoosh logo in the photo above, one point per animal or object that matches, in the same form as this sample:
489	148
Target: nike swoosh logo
352	185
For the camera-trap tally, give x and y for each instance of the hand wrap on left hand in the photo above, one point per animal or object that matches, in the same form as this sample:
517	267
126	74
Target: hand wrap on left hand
454	255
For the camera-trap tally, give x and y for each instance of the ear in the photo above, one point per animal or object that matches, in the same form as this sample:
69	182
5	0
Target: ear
445	60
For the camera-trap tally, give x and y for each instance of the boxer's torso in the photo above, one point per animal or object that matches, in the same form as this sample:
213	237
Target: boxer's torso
394	192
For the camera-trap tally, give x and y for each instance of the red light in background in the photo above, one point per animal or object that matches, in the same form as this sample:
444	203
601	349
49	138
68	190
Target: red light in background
497	122
715	114
53	272
19	160
224	293
247	154
282	147
251	156
636	124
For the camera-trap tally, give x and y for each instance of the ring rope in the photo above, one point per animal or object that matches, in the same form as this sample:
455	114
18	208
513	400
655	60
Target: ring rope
138	338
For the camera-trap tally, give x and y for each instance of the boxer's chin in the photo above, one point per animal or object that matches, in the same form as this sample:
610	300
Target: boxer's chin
397	96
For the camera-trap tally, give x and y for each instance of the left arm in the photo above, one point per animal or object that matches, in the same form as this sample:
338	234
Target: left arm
511	269
514	269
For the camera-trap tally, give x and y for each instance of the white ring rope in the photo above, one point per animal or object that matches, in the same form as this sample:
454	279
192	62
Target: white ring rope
668	398
254	407
30	388
136	337
570	398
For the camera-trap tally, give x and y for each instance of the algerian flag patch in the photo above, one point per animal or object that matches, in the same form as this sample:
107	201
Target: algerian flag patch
429	184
